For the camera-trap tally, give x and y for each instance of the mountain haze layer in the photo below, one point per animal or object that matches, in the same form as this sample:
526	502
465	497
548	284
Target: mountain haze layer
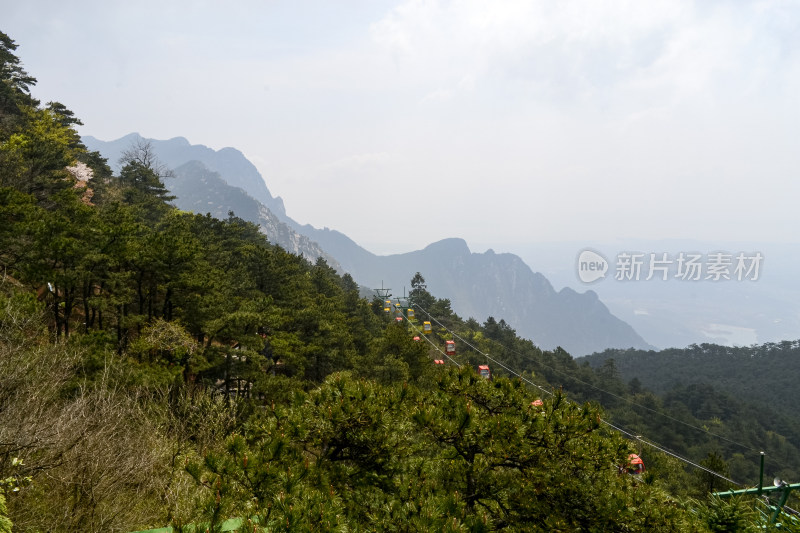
478	285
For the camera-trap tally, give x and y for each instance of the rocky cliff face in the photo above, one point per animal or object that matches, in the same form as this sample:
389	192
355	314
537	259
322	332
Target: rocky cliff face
200	190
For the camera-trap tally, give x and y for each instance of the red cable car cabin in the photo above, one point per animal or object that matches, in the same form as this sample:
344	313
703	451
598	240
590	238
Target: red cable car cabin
450	347
485	371
635	464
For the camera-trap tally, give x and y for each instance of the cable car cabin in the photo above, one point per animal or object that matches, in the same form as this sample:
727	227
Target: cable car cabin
426	327
387	306
398	319
410	314
416	338
485	372
635	465
537	402
450	347
438	361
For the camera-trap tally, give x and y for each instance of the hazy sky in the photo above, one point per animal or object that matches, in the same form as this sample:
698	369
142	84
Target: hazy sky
401	123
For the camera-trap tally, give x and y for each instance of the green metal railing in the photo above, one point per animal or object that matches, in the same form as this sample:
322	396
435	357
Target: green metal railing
774	510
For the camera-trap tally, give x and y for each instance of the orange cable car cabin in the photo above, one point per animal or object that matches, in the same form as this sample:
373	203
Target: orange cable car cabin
450	347
485	371
635	464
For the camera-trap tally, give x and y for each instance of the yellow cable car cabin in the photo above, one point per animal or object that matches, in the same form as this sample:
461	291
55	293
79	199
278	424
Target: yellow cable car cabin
388	306
426	327
410	314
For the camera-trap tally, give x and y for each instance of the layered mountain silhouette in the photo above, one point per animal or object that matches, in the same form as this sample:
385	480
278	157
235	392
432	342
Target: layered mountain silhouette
230	163
479	285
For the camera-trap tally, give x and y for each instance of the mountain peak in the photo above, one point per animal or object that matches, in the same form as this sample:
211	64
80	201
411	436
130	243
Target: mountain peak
180	141
451	246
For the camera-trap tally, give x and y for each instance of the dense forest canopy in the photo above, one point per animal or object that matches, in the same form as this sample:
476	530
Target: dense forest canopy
164	367
766	368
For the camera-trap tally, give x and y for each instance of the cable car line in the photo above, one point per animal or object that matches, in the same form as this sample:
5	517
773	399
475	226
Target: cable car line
430	341
670	453
633	403
631	435
495	361
627	400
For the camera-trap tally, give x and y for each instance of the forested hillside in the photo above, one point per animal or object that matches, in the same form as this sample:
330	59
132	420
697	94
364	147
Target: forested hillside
160	367
722	385
753	372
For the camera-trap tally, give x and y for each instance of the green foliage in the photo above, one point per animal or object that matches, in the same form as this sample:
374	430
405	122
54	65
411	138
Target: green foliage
160	366
15	83
732	515
142	187
19	214
471	455
397	358
419	294
34	158
730	402
21	317
5	522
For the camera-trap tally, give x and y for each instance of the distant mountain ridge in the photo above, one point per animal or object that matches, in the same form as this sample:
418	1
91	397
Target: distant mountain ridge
486	284
199	186
200	190
230	163
478	285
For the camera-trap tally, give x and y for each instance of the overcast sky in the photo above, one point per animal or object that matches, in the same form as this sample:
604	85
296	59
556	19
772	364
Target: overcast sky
401	123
